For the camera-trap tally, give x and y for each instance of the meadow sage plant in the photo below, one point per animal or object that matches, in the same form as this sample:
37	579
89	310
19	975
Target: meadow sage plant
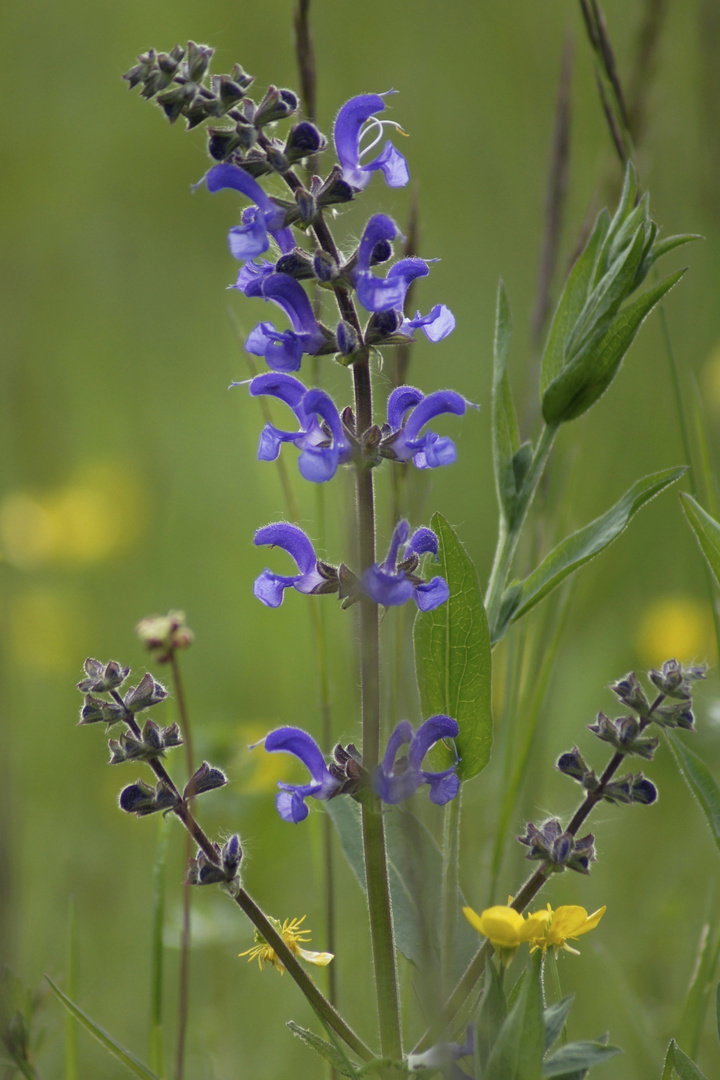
347	304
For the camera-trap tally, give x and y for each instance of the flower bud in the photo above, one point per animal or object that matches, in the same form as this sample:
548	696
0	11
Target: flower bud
206	778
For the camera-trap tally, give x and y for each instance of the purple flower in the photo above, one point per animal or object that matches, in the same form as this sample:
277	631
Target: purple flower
388	293
394	582
290	800
283	349
323	446
251	238
269	587
442	1054
396	780
405	442
347	134
251	276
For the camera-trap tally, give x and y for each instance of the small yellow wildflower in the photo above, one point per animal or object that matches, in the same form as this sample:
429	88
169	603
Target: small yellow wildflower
294	938
563	923
504	927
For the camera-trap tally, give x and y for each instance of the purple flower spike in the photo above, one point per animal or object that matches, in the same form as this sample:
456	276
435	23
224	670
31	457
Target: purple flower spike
320	454
396	779
290	800
269	587
347	135
283	349
429	450
394	582
251	238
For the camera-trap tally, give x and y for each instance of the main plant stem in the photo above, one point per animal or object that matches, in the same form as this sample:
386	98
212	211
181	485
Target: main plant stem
376	870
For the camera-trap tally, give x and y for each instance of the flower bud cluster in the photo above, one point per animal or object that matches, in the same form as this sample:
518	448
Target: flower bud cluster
559	848
223	871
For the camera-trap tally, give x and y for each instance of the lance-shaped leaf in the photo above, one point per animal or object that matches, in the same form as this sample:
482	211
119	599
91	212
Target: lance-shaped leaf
587	376
453	661
326	1050
678	1061
572	302
572	1058
125	1057
520	1045
504	423
700	780
586	543
707	532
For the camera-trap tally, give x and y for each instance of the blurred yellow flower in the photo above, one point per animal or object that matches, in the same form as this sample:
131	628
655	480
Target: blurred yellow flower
294	938
565	922
504	927
86	521
46	631
677	626
710	380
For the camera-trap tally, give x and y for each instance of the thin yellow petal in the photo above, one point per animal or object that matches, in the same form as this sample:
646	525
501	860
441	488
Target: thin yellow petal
320	959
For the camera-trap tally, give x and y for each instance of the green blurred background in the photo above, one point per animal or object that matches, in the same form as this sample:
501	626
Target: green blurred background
130	486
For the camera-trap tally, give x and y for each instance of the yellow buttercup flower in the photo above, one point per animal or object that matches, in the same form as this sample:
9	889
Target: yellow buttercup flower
565	922
504	927
294	938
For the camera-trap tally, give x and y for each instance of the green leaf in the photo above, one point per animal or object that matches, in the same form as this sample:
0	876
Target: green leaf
554	1018
707	532
520	1045
717	1009
588	375
504	423
671	242
491	1017
584	545
453	660
698	996
576	1056
415	872
679	1061
700	780
324	1049
572	302
125	1057
605	299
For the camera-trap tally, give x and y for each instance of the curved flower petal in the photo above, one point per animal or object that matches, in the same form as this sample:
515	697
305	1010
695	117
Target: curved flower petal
269	587
387	588
432	731
444	786
422	541
432	594
436	325
250	278
346	134
250	238
290	800
402	399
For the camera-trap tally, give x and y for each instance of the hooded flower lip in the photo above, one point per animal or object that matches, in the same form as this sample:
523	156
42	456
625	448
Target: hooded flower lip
405	442
323	448
294	937
396	779
394	582
569	921
260	222
504	927
347	135
283	349
290	800
269	587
